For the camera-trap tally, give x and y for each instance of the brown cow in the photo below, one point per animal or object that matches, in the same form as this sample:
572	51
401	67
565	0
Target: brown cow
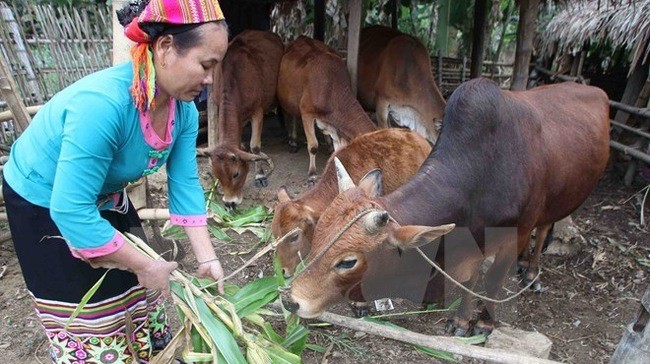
505	163
399	153
249	75
314	84
396	81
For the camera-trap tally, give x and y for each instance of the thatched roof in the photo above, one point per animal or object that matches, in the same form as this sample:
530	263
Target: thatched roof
623	24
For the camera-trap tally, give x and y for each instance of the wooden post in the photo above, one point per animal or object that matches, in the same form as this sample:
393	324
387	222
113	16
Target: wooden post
11	96
528	10
121	44
439	68
478	38
212	102
394	13
35	96
354	28
319	20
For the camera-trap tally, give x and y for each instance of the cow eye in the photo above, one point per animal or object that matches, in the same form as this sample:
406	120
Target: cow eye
293	238
233	157
346	264
234	176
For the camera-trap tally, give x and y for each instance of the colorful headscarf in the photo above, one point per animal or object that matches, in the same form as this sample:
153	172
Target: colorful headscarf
174	12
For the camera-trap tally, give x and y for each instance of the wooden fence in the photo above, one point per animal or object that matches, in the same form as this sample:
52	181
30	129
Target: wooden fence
451	72
49	47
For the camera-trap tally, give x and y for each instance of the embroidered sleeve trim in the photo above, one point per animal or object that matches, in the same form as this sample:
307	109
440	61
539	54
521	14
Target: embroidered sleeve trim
189	220
112	246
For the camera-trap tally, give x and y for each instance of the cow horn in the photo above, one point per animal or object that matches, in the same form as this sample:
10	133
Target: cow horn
375	221
203	152
345	181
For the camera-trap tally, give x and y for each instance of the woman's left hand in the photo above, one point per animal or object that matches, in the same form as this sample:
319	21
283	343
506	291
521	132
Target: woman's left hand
212	270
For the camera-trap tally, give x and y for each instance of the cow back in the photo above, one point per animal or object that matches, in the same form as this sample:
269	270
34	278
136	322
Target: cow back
249	75
395	68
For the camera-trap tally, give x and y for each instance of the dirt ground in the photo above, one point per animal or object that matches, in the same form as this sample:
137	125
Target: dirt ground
588	296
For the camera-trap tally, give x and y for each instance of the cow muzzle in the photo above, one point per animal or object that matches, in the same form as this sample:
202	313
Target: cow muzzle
288	303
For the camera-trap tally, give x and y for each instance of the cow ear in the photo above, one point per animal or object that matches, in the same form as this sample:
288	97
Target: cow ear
345	182
413	236
371	183
283	196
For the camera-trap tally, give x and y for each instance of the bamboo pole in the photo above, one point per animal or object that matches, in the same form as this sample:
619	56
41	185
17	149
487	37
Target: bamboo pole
21	52
8	115
10	94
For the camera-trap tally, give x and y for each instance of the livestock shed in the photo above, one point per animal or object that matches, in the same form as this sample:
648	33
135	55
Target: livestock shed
591	39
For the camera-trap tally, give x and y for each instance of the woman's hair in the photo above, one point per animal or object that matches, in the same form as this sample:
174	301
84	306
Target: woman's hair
185	37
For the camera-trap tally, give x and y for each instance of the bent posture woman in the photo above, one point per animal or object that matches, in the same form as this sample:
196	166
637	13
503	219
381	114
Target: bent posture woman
64	185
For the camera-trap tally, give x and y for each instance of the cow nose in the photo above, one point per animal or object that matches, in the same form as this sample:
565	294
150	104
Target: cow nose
290	305
286	273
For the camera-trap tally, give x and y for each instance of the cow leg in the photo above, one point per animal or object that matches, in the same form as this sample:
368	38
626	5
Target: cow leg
494	281
533	263
293	135
308	123
382	110
257	122
459	324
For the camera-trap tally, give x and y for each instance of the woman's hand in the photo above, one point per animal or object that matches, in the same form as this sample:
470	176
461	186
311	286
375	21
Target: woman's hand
155	275
212	269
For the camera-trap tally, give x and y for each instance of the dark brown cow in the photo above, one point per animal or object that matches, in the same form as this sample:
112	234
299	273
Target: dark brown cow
397	152
314	84
249	75
396	81
505	163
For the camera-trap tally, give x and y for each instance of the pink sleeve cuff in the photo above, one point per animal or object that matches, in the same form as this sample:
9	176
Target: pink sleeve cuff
189	220
112	246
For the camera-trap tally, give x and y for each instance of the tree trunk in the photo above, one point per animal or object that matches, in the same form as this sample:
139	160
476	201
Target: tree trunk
528	10
478	38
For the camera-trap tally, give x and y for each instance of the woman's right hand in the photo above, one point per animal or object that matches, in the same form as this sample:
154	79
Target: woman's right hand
155	275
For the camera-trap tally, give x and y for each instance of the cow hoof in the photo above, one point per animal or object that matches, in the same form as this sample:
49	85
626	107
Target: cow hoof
360	311
453	327
522	267
261	182
311	181
482	328
293	147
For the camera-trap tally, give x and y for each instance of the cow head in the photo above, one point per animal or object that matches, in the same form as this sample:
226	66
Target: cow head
287	216
230	167
358	251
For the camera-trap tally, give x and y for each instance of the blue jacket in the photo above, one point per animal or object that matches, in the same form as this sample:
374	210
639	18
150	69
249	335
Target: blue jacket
90	141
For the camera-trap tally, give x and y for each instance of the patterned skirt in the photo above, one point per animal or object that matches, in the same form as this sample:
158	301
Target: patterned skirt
122	322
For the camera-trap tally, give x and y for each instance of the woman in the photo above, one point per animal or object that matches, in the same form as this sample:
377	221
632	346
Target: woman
64	185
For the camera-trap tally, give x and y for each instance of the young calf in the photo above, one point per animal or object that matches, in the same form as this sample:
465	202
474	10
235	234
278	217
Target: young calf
314	84
249	75
397	152
505	163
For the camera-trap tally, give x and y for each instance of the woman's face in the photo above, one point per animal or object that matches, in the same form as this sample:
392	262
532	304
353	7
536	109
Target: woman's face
182	76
